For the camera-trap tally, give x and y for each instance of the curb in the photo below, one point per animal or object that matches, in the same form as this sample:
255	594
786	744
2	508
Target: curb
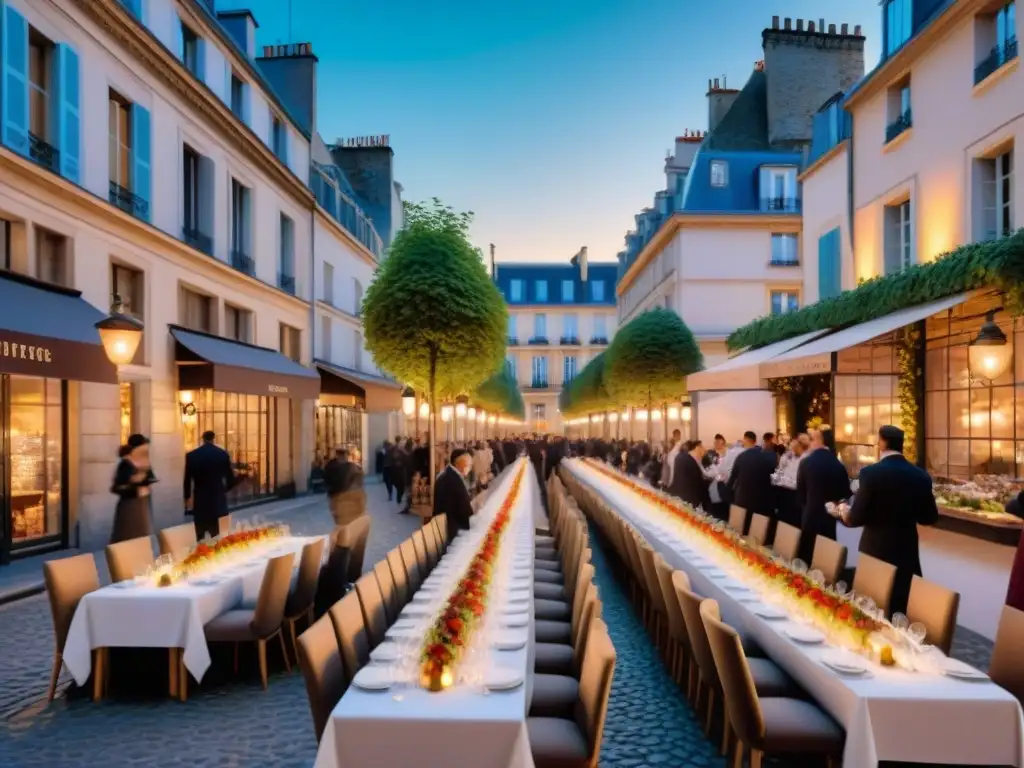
21	593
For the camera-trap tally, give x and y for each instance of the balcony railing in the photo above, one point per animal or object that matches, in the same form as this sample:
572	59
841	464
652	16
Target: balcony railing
784	263
539	384
570	341
201	242
539	340
513	341
286	282
598	339
999	55
243	263
128	201
784	204
43	153
899	125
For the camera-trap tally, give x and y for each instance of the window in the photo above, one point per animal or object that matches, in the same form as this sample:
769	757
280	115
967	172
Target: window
600	327
128	155
127	284
568	291
570	327
778	189
357	350
290	342
279	136
515	290
191	52
357	297
719	173
597	290
120	141
127	397
540	326
40	88
34	431
830	270
900	114
898	24
240	218
52	257
568	369
540	290
5	244
326	342
540	372
510	365
196	311
328	286
512	326
286	267
996	178
539	413
237	323
239	101
785	301
784	249
996	40
898	251
197	200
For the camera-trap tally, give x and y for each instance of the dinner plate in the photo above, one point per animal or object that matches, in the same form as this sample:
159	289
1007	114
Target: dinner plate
520	609
769	612
509	640
373	678
517	596
205	582
735	588
804	635
520	620
417	610
402	633
716	574
503	678
126	584
844	664
953	668
386	652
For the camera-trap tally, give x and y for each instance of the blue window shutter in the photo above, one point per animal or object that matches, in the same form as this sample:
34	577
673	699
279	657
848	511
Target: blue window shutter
69	129
15	80
201	59
830	274
142	141
179	39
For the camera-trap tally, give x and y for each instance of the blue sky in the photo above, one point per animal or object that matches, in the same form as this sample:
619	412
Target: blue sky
549	119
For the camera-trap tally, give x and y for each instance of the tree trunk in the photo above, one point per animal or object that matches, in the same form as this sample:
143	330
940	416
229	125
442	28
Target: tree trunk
432	423
650	421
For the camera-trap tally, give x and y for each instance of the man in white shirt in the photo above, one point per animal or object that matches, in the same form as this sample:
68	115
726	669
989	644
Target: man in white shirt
785	480
670	460
719	472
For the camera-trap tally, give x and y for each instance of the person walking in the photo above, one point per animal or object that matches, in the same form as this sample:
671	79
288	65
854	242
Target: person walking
399	470
387	464
208	478
345	493
132	480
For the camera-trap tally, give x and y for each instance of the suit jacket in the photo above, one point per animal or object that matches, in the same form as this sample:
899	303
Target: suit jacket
689	483
820	478
208	478
451	497
750	481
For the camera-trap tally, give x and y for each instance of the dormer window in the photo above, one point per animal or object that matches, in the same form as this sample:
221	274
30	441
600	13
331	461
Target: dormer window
719	173
779	189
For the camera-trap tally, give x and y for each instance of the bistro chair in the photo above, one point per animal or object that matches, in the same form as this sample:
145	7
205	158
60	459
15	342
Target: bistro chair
400	577
347	617
127	559
322	670
936	607
178	540
386	582
1007	665
372	602
67	581
787	541
408	552
875	578
759	528
300	601
419	543
829	558
737	518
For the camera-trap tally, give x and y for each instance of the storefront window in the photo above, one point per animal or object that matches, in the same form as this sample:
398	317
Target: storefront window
34	414
337	427
127	398
865	399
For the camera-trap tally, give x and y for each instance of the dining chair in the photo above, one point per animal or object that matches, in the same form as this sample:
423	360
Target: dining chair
561	743
1006	667
412	568
372	603
177	540
67	581
657	619
787	541
400	577
737	518
546	631
442	528
260	624
758	528
556	695
439	534
386	582
347	617
419	544
559	609
300	602
765	724
875	578
564	658
127	559
224	524
433	551
830	558
678	657
359	535
319	658
936	607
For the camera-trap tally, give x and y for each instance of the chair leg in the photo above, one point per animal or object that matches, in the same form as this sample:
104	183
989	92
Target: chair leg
172	672
295	637
98	674
726	735
756	756
261	650
739	755
284	649
58	660
182	677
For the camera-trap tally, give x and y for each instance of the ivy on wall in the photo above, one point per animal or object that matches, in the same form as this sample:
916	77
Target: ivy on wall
908	388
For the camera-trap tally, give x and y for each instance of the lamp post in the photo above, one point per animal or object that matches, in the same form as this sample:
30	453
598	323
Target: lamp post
408	405
990	354
120	334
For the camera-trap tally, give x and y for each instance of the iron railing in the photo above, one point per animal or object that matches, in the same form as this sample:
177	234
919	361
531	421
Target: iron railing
536	340
44	153
899	125
785	204
128	201
243	263
570	341
539	384
598	339
286	282
999	55
513	341
197	239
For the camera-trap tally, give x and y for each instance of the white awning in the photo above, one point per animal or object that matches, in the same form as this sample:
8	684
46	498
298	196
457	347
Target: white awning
816	357
742	371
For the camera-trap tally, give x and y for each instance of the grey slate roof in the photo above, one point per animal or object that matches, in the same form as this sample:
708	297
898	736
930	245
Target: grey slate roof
745	126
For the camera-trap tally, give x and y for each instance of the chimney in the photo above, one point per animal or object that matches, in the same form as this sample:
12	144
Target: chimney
291	70
368	164
583	263
720	99
241	26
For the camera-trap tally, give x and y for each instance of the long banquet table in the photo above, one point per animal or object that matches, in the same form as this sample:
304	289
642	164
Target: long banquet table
127	615
888	714
464	726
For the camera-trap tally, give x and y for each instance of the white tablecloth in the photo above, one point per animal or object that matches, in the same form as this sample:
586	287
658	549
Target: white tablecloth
890	715
168	617
461	727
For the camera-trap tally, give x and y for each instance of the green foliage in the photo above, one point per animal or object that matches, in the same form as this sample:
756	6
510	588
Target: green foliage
432	296
587	392
500	394
649	359
997	264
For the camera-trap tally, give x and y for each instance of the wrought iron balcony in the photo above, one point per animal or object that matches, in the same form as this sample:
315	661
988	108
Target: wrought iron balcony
513	341
128	201
243	263
539	340
783	204
899	125
598	339
201	242
539	384
999	55
784	263
286	282
43	153
570	341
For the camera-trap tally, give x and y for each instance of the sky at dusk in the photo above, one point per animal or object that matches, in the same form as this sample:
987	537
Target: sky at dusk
549	119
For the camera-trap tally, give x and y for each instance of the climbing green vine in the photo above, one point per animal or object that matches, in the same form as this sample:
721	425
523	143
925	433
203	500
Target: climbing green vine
907	388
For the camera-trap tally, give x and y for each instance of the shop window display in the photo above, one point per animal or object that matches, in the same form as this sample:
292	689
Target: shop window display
35	428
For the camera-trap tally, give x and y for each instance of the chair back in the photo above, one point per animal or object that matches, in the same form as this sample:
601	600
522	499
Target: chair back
737	518
412	566
419	544
1007	665
386	582
435	527
585	577
758	528
595	688
936	607
676	624
347	617
400	577
301	599
875	578
442	528
277	581
689	605
177	540
372	603
787	541
125	559
322	670
360	534
67	581
651	583
591	610
433	551
830	558
224	524
741	700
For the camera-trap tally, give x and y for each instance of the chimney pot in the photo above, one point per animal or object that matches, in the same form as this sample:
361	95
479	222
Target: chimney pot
787	23
821	26
716	83
844	29
831	29
857	30
775	22
810	26
799	25
709	83
723	82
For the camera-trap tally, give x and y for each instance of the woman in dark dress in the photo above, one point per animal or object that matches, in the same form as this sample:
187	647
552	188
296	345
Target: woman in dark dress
132	480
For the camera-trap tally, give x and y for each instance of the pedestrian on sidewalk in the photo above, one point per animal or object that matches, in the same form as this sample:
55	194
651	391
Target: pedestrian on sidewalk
132	480
388	468
208	478
344	478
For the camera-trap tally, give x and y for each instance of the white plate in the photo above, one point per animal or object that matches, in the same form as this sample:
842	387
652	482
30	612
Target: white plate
386	652
515	621
126	584
716	574
768	612
519	609
804	635
204	582
401	633
518	596
748	597
503	679
844	664
417	610
373	678
509	640
960	671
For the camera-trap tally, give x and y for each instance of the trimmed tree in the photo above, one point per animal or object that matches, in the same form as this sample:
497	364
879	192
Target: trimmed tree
432	316
500	395
649	359
587	392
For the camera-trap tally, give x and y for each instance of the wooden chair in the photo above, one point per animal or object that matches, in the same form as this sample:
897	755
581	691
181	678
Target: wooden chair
126	559
178	540
787	541
441	521
548	631
347	617
386	582
322	670
737	518
556	695
829	558
875	579
419	544
372	603
412	567
401	578
300	601
354	535
1007	665
433	547
679	658
67	581
565	658
936	607
758	528
258	625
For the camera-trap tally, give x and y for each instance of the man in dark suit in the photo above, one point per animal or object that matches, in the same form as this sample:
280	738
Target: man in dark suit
208	478
688	480
451	494
894	498
750	482
821	478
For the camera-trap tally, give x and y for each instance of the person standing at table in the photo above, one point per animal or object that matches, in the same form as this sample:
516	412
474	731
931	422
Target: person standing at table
670	460
820	478
750	482
208	478
688	480
893	498
451	496
132	480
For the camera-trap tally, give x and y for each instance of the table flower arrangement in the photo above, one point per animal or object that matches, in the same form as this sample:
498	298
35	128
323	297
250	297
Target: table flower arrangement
209	551
448	637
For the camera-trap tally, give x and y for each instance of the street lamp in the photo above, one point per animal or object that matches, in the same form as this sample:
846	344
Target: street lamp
424	409
989	355
120	334
446	413
460	406
408	401
687	412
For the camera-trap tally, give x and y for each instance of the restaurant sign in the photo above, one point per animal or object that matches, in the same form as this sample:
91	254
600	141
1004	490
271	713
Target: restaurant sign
277	389
31	352
799	366
29	355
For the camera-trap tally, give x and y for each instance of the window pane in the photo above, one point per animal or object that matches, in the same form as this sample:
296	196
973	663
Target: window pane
959	414
1002	422
937	464
937	414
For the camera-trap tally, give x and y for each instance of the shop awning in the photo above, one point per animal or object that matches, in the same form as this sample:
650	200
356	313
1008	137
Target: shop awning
233	366
818	356
50	331
379	394
743	371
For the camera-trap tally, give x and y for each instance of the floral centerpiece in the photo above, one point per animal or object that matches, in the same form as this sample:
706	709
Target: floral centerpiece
209	551
448	637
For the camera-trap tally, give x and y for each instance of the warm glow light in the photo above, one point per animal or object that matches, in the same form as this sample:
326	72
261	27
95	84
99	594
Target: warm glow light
687	413
471	413
625	415
848	429
424	410
120	334
446	413
673	413
408	401
851	412
656	414
460	407
493	419
613	417
481	416
446	678
990	354
641	414
185	397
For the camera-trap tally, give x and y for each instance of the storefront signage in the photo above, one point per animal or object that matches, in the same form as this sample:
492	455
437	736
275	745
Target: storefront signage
805	366
30	352
277	389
